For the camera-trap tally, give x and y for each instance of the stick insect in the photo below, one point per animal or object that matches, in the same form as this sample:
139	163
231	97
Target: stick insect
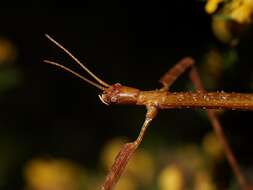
156	100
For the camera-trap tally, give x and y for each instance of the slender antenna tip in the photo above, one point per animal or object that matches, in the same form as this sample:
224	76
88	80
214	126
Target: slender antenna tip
47	35
77	61
50	38
46	61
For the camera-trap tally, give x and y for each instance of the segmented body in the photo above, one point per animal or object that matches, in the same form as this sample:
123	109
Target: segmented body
161	99
211	100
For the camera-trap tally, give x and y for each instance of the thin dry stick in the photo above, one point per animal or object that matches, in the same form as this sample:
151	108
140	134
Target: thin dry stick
161	99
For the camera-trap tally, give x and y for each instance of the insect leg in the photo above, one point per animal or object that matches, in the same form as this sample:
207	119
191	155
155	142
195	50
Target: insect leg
171	75
194	76
169	78
126	153
118	166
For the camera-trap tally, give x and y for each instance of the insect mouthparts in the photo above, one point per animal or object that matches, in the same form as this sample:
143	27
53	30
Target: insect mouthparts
102	100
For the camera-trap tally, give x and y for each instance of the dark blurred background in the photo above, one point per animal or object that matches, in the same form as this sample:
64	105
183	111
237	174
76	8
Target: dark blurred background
46	113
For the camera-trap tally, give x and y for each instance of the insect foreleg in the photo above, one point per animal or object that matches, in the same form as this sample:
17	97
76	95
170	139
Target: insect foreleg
151	114
126	152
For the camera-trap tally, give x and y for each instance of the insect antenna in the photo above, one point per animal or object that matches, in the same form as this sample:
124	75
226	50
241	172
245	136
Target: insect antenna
77	61
76	74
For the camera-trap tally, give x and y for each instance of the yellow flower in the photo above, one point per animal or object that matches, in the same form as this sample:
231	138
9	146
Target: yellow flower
171	178
126	183
190	156
212	146
243	13
212	5
203	181
231	12
52	174
222	30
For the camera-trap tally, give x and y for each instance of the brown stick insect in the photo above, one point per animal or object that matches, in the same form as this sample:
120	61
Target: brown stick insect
155	100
